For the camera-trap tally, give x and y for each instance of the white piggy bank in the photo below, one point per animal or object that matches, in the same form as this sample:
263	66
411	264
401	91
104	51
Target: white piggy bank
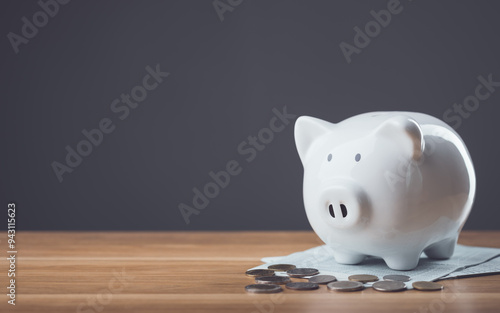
386	184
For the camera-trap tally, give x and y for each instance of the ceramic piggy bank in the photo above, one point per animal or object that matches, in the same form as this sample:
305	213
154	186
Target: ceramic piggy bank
385	184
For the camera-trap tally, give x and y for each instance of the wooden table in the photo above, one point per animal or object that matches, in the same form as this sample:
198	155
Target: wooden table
200	272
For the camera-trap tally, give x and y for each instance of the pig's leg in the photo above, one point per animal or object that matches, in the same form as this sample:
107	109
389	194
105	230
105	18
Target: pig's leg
403	261
344	257
442	249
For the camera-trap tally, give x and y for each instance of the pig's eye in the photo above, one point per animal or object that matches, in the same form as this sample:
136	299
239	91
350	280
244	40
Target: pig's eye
329	158
357	157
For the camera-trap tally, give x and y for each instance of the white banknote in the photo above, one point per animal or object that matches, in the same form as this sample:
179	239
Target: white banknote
466	261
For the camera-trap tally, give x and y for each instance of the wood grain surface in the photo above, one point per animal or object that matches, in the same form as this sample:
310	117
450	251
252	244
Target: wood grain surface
201	272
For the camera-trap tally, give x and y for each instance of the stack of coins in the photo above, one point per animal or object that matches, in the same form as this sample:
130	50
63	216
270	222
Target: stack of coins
266	281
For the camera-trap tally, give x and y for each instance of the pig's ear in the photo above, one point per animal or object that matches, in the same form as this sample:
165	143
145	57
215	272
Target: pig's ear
307	129
406	132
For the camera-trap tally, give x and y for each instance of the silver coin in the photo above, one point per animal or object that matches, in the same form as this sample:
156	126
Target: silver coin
402	278
277	280
427	286
259	288
301	272
281	267
302	286
261	272
345	286
363	278
389	286
322	279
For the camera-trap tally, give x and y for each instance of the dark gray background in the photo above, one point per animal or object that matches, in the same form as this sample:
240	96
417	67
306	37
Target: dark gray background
225	78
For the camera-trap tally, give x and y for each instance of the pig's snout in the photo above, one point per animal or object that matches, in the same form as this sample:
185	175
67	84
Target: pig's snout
344	204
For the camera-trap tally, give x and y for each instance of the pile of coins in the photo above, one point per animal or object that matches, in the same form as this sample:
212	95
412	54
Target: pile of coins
267	282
